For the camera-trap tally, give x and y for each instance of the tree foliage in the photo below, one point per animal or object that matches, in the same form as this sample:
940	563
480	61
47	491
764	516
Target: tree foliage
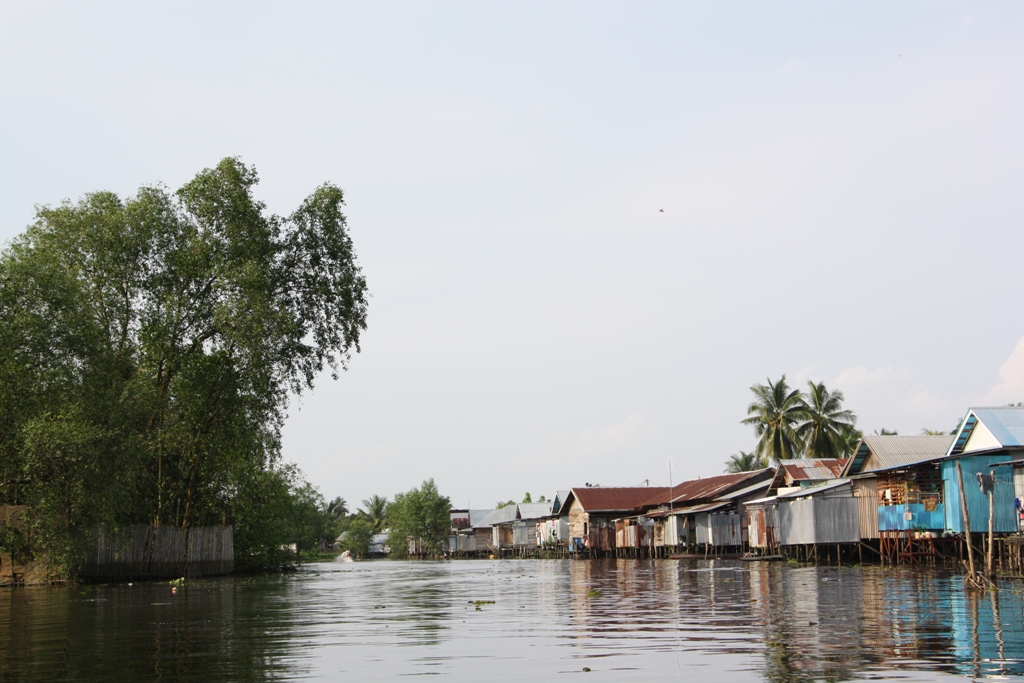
421	515
358	536
825	420
375	510
791	424
744	462
148	348
775	414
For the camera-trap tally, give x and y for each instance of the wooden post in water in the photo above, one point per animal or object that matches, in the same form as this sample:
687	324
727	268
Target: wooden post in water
967	518
991	517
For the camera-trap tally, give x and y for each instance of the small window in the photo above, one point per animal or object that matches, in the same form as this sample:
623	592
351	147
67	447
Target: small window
585	528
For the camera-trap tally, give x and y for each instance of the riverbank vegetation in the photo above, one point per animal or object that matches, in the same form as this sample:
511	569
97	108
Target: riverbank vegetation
148	350
421	516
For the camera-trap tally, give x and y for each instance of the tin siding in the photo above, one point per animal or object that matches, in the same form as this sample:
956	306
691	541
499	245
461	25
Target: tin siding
866	493
725	529
894	517
818	520
977	502
703	525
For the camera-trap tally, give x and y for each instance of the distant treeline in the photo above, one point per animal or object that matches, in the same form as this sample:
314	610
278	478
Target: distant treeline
148	350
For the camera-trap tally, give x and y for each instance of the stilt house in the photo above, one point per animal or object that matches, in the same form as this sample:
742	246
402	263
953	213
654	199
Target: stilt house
985	438
592	512
898	483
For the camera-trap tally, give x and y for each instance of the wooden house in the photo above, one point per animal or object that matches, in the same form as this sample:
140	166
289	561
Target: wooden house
526	531
591	512
898	483
488	531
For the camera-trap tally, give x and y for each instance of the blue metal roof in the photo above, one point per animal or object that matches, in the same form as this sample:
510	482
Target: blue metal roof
1005	423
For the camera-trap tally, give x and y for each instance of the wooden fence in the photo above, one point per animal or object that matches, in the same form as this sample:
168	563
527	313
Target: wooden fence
142	551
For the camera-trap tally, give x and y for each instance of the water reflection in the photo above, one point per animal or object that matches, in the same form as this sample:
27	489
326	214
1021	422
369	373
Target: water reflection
505	620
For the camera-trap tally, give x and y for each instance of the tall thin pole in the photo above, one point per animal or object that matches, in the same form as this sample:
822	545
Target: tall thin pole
991	516
670	484
967	517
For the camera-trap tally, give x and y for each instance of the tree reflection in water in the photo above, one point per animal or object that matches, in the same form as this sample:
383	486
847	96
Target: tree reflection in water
623	619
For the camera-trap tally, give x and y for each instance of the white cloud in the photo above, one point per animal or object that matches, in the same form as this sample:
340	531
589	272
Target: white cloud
1011	379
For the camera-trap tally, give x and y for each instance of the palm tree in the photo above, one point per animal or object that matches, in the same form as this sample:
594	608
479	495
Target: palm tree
851	438
775	414
338	507
886	432
375	510
744	462
933	432
824	423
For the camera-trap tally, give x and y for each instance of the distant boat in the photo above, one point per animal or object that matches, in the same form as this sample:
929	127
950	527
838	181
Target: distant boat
345	557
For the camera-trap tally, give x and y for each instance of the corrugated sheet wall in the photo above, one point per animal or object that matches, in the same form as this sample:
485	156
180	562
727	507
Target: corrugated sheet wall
524	534
1005	520
819	520
762	525
913	516
672	527
866	493
725	529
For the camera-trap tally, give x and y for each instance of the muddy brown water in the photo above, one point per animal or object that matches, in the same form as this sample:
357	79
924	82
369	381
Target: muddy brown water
624	620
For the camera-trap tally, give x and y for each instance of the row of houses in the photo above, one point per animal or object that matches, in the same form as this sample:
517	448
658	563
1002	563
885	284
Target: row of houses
896	496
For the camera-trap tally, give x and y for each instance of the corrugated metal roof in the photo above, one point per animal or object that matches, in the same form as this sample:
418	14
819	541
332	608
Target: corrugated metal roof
707	488
534	510
477	516
760	486
812	490
617	498
501	515
897	451
1005	423
693	509
809	468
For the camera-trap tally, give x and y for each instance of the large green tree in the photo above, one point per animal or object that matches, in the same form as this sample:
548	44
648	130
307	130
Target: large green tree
149	346
775	413
826	427
421	515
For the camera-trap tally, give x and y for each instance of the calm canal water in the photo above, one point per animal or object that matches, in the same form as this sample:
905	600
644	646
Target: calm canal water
624	620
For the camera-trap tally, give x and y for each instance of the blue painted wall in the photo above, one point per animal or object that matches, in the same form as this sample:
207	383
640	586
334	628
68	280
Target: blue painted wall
893	518
977	503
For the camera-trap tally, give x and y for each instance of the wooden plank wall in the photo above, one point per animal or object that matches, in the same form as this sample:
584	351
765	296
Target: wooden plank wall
142	551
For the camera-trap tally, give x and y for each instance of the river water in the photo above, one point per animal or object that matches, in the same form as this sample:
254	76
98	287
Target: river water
624	620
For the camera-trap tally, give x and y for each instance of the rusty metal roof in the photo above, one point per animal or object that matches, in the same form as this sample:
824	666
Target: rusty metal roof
616	498
804	469
708	488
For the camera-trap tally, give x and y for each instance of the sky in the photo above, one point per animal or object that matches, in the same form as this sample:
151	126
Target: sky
587	227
